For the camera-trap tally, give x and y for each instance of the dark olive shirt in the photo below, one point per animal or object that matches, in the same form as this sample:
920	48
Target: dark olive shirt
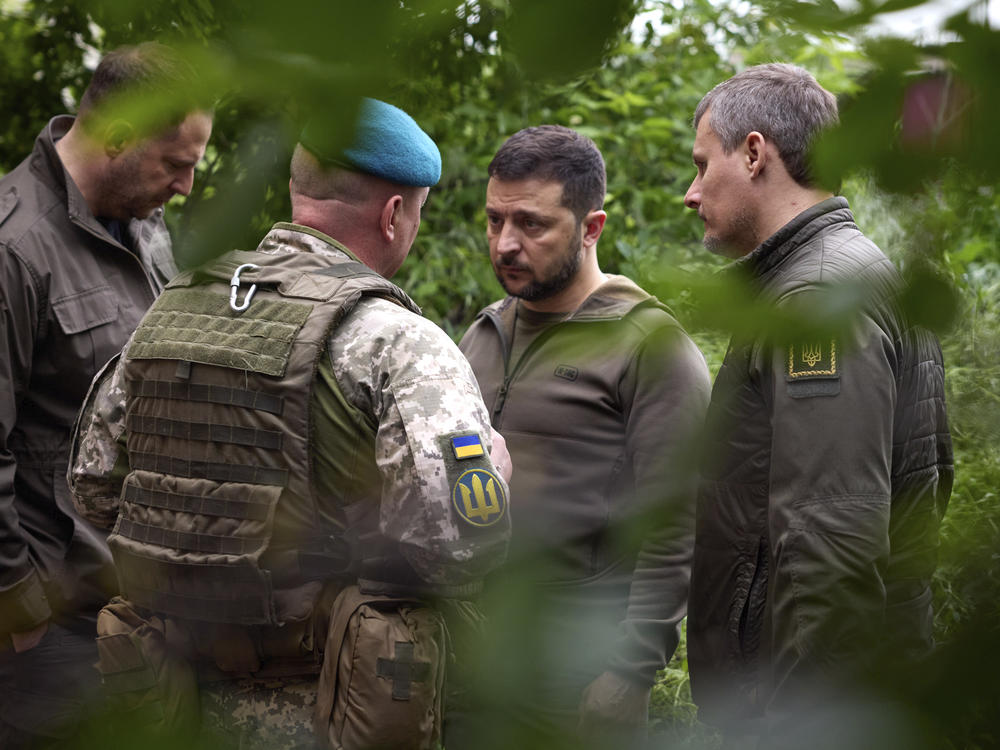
598	410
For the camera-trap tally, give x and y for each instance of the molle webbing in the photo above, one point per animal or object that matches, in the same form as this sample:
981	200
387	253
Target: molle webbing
184	541
216	471
190	549
198	326
244	509
215	593
208	394
220	503
205	431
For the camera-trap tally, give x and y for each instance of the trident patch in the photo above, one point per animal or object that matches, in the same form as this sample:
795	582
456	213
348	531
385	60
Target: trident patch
813	369
812	359
479	497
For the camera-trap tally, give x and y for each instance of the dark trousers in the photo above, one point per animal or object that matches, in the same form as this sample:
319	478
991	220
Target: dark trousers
47	692
522	682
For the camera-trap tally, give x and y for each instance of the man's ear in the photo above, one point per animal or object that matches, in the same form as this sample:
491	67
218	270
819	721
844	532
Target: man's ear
755	148
593	225
117	135
389	216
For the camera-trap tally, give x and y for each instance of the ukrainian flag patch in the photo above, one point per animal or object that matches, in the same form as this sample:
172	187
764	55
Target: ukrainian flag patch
467	446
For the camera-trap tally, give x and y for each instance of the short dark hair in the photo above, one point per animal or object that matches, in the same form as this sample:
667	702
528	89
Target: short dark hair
144	70
552	152
782	102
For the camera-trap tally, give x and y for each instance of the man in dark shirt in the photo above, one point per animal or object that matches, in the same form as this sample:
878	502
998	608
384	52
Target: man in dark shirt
83	253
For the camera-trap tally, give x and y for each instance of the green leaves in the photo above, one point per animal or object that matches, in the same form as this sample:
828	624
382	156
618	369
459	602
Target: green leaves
557	39
915	153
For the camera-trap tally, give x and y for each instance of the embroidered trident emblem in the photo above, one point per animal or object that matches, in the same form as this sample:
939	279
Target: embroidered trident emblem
479	502
812	353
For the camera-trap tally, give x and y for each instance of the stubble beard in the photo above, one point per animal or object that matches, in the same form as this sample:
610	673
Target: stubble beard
539	289
125	192
738	238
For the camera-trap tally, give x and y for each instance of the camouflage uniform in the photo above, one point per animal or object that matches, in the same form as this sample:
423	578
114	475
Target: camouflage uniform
415	390
271	714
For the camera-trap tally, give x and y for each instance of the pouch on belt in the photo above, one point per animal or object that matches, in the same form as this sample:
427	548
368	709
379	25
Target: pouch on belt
150	687
382	682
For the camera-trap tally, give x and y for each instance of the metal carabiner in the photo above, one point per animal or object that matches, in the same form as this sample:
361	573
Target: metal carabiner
234	287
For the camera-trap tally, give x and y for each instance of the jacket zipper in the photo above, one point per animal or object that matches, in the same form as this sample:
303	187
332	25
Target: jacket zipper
505	347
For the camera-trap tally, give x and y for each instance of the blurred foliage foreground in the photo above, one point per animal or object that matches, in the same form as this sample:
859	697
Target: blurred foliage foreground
915	154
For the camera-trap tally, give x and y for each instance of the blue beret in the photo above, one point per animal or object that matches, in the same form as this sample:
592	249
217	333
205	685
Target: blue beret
387	143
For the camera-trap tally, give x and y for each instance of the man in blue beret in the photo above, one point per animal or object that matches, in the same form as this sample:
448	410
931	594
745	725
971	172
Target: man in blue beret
293	433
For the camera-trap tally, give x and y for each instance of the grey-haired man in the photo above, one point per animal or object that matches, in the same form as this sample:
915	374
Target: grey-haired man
830	461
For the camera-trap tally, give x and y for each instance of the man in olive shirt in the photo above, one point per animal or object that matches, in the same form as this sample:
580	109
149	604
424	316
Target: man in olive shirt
83	253
598	391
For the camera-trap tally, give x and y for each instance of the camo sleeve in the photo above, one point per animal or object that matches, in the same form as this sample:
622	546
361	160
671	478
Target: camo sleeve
442	500
98	461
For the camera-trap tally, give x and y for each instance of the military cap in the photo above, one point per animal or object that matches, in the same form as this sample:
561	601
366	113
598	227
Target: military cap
387	143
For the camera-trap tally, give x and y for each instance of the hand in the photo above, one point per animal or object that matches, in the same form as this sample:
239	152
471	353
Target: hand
500	457
28	639
613	701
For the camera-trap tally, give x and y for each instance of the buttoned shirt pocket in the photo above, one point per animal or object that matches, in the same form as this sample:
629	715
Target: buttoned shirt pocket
90	333
85	310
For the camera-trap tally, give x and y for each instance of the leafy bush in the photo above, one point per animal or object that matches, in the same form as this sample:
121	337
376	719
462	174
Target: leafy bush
473	72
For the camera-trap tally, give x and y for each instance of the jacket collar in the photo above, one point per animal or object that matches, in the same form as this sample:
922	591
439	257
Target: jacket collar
772	252
57	176
45	161
615	298
286	237
49	168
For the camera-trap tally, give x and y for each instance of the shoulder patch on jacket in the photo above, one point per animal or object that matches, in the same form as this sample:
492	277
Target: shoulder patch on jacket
479	497
812	369
477	493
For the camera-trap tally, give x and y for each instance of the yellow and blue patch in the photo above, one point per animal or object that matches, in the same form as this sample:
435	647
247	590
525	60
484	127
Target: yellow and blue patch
467	446
479	497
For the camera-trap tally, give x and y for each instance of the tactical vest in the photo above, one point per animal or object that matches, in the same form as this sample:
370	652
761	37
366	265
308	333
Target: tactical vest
219	424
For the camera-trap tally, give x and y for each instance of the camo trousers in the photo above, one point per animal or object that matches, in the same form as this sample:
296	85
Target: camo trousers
259	714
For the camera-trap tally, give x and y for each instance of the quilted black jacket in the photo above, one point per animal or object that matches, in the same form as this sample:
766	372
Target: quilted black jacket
830	467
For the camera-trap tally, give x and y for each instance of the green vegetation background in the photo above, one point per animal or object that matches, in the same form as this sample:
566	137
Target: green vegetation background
920	174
